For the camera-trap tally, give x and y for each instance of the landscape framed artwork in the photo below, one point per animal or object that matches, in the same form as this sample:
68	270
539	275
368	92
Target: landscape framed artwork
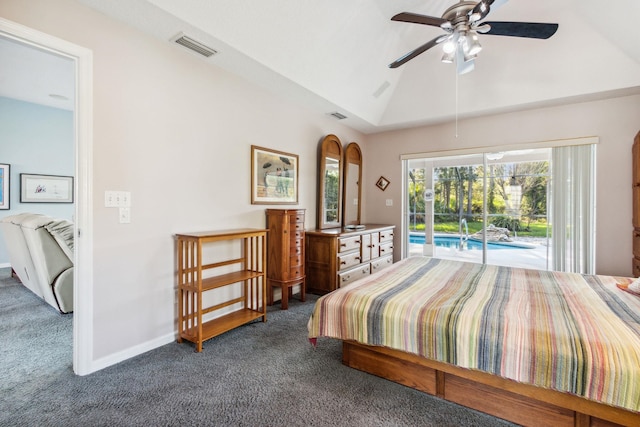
45	188
5	177
274	177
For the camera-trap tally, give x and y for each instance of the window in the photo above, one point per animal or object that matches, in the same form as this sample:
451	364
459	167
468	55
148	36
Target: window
497	208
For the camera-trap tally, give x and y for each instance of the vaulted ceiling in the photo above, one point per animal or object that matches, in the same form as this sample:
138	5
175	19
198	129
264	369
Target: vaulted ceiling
333	55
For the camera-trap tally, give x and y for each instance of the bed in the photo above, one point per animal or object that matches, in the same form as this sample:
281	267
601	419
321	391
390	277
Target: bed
532	347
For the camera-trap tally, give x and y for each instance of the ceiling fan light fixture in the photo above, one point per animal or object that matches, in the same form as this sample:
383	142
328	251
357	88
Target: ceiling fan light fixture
471	43
449	47
448	57
468	57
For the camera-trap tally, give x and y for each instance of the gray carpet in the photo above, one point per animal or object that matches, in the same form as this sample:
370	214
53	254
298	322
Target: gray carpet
261	374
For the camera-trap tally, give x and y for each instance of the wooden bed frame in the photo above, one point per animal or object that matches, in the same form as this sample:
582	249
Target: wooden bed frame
516	402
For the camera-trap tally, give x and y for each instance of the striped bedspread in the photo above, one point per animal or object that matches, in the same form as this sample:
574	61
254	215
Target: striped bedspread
569	332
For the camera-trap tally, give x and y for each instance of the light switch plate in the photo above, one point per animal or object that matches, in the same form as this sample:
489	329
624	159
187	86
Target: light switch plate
110	199
389	202
124	215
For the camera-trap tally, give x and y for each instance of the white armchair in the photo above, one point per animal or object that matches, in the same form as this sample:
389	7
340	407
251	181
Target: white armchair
41	253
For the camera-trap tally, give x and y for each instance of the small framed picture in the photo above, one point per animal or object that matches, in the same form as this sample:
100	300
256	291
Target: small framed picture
4	185
45	188
382	183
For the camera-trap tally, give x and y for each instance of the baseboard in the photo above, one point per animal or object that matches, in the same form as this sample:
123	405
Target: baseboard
128	353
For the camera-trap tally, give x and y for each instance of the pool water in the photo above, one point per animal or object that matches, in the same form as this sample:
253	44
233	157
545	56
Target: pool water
454	243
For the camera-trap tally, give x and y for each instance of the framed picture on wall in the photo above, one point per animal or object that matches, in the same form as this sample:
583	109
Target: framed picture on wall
5	177
274	177
45	188
382	183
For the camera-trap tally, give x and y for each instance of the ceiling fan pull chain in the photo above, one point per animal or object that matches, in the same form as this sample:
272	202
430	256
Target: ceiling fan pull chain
457	104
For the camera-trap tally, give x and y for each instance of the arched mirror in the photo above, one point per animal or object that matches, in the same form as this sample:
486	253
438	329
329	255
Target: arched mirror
352	187
330	183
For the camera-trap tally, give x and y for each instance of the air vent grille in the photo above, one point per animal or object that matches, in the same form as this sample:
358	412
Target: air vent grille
194	45
337	115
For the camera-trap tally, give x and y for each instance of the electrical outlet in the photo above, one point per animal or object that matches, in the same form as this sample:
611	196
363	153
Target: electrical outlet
389	202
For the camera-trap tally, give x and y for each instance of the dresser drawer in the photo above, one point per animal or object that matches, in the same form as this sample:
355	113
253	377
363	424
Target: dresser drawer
381	263
354	274
295	272
386	236
348	260
297	235
295	261
386	249
296	217
349	243
295	247
297	226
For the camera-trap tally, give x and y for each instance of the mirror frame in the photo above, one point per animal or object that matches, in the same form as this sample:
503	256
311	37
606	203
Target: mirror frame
352	155
331	147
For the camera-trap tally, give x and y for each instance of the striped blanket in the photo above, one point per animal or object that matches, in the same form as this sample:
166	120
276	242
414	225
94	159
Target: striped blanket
568	332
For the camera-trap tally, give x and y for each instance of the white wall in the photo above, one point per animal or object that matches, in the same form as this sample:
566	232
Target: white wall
39	140
175	132
614	121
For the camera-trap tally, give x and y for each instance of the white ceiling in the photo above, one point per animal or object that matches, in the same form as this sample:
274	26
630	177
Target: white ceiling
333	55
34	75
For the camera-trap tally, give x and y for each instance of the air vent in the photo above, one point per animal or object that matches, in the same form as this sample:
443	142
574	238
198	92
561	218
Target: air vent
194	45
337	115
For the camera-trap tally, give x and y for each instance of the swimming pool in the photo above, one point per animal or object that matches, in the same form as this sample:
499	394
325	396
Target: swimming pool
472	244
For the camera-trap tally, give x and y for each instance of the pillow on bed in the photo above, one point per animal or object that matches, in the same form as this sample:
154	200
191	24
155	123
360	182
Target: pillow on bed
632	287
62	231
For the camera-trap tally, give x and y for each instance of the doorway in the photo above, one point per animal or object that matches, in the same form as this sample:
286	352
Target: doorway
82	123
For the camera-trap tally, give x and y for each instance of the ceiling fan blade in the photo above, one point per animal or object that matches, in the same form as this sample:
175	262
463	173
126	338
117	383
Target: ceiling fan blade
532	30
419	19
480	11
417	51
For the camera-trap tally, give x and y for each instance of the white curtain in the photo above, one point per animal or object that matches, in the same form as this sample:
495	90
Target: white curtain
573	208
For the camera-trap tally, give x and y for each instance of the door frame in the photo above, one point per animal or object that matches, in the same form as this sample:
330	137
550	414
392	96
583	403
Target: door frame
83	135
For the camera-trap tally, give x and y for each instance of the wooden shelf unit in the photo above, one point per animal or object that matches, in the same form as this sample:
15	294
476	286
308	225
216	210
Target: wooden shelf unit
192	283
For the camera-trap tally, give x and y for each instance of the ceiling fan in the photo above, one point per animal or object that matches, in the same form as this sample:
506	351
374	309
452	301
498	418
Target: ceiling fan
462	23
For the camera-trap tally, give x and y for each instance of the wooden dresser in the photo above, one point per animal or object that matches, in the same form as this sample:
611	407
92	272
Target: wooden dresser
285	253
335	257
635	176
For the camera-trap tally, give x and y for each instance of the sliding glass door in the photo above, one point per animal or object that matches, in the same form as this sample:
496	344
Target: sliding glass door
486	208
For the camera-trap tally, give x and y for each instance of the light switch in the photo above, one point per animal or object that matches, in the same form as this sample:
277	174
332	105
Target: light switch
125	199
389	202
125	215
109	199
